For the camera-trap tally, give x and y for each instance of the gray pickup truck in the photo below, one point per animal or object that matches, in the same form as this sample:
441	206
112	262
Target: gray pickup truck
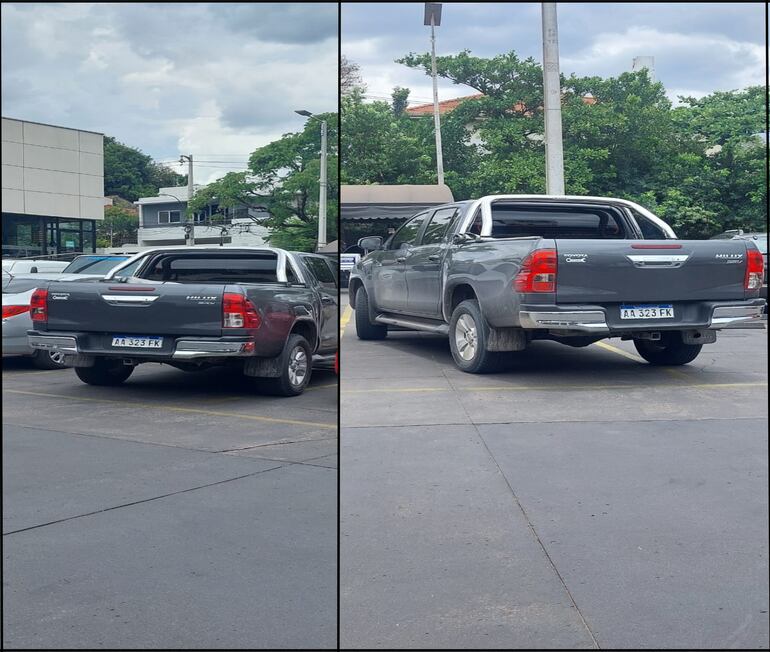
269	312
498	272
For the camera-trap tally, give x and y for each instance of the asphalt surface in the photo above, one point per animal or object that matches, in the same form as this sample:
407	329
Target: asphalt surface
177	511
582	498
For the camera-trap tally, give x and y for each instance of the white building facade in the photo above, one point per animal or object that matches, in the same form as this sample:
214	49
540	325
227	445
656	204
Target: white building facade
52	188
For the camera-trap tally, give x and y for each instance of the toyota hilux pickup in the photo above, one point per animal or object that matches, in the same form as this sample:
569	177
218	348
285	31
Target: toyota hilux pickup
498	272
271	313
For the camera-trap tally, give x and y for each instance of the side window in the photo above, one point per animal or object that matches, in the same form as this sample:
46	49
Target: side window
407	234
320	270
291	277
650	230
129	271
438	225
476	224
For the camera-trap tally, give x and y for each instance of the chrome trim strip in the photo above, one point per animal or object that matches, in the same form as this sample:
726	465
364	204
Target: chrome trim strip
53	343
590	321
737	317
129	298
187	349
654	261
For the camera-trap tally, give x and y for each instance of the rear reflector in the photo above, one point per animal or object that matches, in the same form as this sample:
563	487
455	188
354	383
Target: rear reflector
538	272
38	305
12	311
656	246
755	268
239	312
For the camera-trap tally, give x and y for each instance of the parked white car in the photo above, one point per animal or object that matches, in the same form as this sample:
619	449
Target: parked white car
33	266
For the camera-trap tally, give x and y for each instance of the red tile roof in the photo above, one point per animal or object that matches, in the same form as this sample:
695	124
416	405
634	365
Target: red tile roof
447	106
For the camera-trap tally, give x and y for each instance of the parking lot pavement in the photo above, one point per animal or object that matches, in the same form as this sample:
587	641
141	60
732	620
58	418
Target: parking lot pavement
177	511
581	498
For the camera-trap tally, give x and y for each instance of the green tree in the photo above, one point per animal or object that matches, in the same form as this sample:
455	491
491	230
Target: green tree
118	227
284	178
131	174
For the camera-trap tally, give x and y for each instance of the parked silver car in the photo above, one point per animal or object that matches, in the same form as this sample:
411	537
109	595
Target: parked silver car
17	292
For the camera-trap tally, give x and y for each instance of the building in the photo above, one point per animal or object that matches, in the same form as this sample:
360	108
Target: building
52	188
162	222
378	209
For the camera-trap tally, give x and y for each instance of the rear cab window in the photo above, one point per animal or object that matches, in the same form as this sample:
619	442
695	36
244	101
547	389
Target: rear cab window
517	221
232	267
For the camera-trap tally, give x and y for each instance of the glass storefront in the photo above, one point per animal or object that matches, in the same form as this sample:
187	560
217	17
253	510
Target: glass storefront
27	235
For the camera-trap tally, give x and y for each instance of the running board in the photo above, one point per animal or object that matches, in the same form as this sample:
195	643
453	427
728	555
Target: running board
324	360
414	324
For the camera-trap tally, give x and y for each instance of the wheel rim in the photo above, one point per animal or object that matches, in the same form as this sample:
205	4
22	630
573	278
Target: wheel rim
57	357
466	337
297	366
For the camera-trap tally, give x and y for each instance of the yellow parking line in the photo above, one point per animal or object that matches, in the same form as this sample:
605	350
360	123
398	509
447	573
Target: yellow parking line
614	349
173	408
548	388
346	315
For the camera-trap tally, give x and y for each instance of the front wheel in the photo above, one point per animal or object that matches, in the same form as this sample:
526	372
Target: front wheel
669	350
468	335
365	329
105	372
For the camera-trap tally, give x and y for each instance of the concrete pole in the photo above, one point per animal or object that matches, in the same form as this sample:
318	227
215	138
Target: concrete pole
436	116
190	191
322	190
554	153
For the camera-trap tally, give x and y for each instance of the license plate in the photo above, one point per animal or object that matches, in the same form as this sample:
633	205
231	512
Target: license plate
133	342
647	312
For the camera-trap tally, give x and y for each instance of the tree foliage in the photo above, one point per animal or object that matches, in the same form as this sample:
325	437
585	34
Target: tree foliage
118	227
131	174
283	177
622	137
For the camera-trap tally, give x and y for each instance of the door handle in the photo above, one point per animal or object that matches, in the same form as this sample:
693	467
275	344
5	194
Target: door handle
328	301
401	259
434	258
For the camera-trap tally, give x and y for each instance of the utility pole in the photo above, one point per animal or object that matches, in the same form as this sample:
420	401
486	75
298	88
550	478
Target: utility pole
322	190
554	153
433	18
190	225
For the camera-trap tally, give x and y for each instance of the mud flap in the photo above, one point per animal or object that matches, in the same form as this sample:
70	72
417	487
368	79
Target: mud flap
507	339
79	360
264	367
704	336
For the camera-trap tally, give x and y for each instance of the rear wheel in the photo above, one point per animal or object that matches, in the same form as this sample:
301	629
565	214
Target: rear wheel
468	335
669	350
48	359
296	368
365	329
105	372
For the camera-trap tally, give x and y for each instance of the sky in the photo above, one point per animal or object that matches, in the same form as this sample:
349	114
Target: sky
215	80
698	47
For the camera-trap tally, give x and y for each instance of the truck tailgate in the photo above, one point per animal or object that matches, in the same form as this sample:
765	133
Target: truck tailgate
146	308
611	271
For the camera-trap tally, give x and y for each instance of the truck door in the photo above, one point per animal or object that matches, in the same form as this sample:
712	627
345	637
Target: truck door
423	265
388	272
328	322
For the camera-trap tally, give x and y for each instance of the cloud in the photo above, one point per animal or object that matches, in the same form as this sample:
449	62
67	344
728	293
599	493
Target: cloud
719	46
211	79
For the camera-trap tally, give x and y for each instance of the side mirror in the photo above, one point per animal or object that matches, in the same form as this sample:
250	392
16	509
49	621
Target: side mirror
370	243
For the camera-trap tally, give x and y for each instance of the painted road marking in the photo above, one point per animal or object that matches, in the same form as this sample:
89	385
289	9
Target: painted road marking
614	349
173	408
346	315
550	388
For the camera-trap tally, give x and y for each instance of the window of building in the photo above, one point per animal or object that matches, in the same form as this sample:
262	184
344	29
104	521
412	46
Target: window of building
169	217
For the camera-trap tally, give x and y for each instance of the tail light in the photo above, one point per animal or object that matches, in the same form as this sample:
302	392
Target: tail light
38	305
537	273
239	312
755	268
12	311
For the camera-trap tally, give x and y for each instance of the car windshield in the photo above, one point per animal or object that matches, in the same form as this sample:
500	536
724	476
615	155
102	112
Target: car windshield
93	264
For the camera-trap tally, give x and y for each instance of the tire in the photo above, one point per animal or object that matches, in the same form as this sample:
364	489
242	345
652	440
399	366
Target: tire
48	360
296	369
468	336
365	329
670	350
105	372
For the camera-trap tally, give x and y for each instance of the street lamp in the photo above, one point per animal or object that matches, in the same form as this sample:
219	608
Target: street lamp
433	18
321	180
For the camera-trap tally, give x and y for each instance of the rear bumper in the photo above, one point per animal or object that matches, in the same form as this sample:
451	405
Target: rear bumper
185	348
593	319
